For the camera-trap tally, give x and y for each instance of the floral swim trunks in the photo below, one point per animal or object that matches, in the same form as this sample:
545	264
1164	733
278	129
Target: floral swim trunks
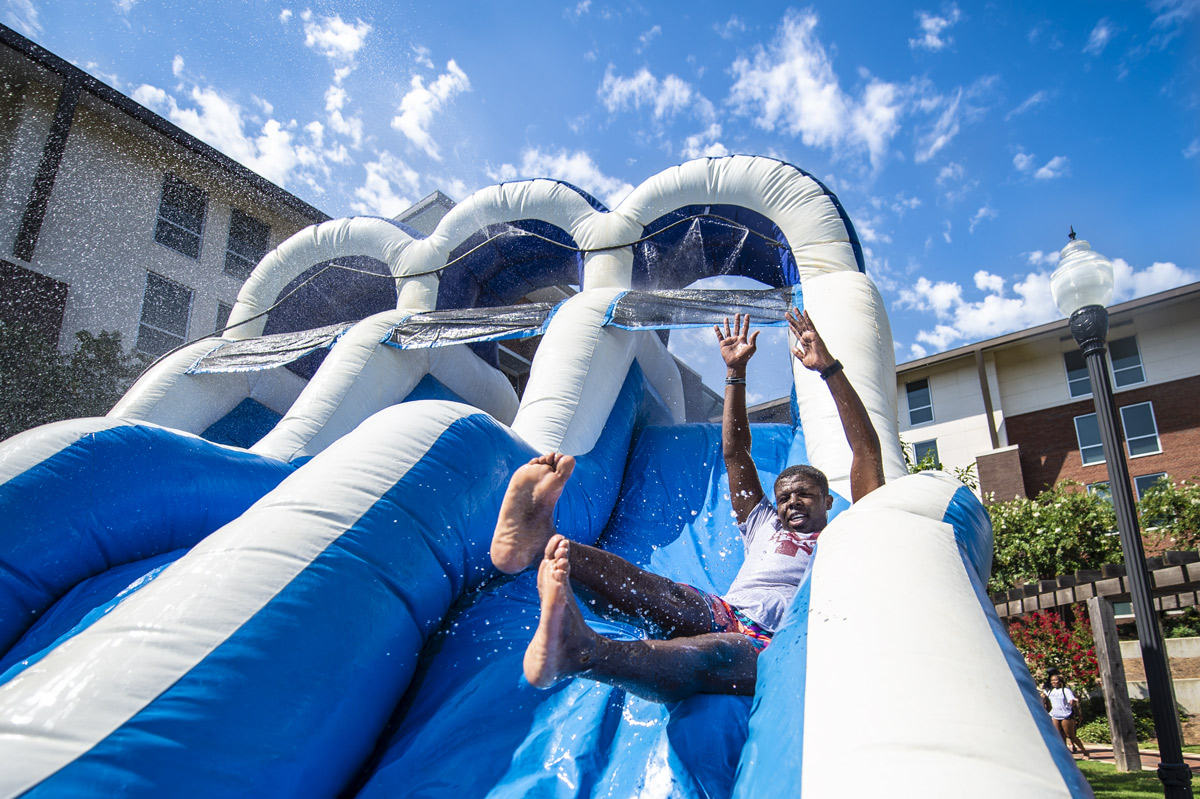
728	619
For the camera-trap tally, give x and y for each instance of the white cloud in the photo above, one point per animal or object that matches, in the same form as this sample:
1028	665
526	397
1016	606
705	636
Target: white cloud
1172	17
704	144
579	10
986	212
961	320
986	281
649	36
954	109
1030	102
419	106
730	28
23	15
352	126
421	56
335	38
1129	283
576	168
791	86
124	6
110	78
377	196
1192	150
944	129
177	66
946	228
902	204
1099	37
218	120
285	15
932	28
1054	168
667	97
950	172
1039	258
941	297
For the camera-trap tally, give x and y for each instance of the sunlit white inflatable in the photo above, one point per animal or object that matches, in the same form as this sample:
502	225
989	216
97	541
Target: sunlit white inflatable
265	572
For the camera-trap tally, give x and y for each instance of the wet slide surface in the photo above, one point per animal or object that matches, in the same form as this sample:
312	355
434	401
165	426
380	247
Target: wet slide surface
470	725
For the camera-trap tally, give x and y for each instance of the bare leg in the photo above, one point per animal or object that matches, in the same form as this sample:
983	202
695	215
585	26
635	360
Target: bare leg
662	671
526	519
1069	728
672	608
1058	725
526	523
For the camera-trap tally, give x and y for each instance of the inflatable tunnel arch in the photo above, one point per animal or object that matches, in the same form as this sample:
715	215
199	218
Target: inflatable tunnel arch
338	628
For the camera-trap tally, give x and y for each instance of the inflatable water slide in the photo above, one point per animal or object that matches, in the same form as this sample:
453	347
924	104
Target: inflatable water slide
266	573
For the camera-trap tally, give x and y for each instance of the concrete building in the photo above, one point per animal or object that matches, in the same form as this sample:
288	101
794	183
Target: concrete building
1020	406
112	218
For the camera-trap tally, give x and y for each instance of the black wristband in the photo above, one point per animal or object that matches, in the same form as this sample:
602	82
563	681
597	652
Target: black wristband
735	381
831	370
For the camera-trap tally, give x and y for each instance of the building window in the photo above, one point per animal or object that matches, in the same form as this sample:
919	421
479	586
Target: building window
223	312
248	239
1101	490
1126	362
1087	431
166	307
923	450
1078	382
1126	367
1141	432
32	300
1142	484
920	402
180	222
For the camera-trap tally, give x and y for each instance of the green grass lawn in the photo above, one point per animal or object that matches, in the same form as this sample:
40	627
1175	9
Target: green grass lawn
1108	783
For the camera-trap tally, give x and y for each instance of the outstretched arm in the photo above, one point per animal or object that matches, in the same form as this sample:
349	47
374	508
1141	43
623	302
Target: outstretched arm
866	465
737	347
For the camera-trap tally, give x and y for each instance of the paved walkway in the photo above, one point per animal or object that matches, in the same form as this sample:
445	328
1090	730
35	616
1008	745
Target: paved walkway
1150	758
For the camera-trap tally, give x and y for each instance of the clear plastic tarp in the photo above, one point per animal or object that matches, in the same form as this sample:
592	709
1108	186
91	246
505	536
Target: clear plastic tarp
631	310
266	352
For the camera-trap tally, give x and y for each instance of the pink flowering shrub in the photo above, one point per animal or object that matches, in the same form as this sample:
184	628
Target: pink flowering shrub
1046	640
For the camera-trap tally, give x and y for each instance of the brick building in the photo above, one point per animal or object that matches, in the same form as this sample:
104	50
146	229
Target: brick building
1019	406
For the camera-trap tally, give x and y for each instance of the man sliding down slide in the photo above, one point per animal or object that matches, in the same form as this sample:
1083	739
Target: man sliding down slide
703	643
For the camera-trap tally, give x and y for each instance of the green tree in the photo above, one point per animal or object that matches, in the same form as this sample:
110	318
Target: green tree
38	384
964	474
1060	531
1170	513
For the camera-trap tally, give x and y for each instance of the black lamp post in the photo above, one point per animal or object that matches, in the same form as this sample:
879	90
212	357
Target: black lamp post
1082	286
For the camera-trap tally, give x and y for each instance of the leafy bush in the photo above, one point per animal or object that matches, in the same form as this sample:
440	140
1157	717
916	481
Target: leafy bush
1181	625
1046	640
1060	531
1170	513
1095	730
40	385
964	474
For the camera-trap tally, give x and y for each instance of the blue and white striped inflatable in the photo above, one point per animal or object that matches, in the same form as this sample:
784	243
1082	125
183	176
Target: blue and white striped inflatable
312	611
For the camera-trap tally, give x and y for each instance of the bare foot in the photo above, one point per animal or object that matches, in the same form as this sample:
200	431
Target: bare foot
561	644
526	519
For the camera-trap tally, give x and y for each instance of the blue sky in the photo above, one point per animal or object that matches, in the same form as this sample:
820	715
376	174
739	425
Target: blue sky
962	138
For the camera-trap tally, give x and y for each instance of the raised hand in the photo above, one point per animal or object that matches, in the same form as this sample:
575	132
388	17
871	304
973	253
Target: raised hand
738	344
809	348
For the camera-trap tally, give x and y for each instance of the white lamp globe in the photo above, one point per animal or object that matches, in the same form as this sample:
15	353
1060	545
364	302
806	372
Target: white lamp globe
1083	277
